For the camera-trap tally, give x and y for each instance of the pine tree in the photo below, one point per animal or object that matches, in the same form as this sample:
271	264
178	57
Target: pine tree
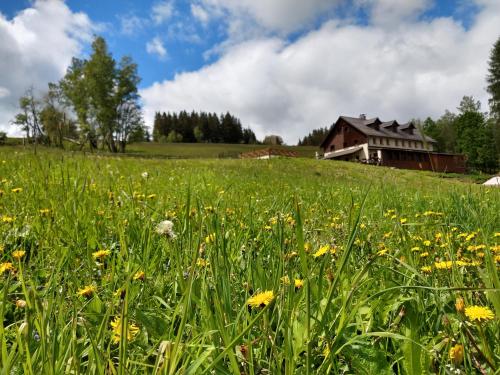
493	80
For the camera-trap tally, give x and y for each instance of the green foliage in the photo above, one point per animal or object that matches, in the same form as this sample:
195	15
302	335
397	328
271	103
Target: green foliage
202	127
493	80
314	138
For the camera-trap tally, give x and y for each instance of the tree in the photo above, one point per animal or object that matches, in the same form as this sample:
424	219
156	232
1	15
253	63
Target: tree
3	138
272	140
493	79
29	117
104	96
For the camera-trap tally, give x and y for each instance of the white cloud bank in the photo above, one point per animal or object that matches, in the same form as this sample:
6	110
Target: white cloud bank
36	47
414	68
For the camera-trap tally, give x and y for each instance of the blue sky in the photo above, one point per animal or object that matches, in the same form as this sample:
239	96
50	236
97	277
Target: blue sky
282	66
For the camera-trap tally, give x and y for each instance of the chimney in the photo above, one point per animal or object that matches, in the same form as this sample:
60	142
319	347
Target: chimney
362	116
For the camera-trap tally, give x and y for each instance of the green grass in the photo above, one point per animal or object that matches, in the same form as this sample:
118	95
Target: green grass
365	304
207	150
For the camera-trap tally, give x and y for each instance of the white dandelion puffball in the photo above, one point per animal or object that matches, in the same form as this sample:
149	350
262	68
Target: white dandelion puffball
166	228
145	174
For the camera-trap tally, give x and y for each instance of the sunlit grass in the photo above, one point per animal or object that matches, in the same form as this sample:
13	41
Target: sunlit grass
92	283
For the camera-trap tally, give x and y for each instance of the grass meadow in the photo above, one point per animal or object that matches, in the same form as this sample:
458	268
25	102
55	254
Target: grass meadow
286	266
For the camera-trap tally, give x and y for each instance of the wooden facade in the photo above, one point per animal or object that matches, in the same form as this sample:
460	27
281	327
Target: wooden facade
387	143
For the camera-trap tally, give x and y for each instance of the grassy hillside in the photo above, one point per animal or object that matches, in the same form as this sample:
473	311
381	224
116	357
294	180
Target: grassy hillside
287	266
207	150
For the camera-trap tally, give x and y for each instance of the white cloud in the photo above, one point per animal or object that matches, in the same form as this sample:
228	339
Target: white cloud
162	11
392	12
131	24
4	92
200	13
276	15
155	47
36	46
415	69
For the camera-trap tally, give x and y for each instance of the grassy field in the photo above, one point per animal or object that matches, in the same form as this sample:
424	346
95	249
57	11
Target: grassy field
288	266
207	150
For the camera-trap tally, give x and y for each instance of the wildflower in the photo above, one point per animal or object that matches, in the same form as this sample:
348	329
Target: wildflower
145	174
426	269
87	291
362	226
321	251
445	265
415	248
200	262
6	266
460	305
116	326
387	235
7	219
307	247
20	303
139	275
457	354
478	313
496	234
424	254
298	283
17	190
291	255
151	196
403	220
427	243
44	212
210	238
101	254
382	252
261	300
18	254
166	228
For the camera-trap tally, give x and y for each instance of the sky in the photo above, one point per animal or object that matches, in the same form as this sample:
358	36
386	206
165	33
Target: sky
283	67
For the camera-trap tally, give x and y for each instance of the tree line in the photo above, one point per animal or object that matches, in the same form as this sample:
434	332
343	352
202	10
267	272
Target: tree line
200	127
314	138
95	103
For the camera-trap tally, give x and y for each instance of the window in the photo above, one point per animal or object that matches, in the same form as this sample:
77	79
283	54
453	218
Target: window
397	143
387	141
380	141
403	143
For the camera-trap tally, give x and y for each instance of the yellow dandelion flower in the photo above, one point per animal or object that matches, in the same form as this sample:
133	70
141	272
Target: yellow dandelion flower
362	226
139	275
200	262
7	219
496	234
445	265
261	299
460	304
479	313
426	269
298	283
321	251
387	235
307	247
44	212
17	190
457	354
415	248
382	252
101	254
424	254
6	266
116	327
427	243
210	238
403	220
18	254
87	291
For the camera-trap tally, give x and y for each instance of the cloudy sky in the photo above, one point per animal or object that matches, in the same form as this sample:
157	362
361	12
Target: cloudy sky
282	66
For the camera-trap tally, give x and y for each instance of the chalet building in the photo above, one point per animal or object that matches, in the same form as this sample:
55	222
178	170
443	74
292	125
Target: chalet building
387	143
